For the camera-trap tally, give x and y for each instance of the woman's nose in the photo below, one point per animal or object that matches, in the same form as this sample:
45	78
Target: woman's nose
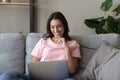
56	29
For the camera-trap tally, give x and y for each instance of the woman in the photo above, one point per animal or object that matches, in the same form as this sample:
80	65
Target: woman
64	47
56	44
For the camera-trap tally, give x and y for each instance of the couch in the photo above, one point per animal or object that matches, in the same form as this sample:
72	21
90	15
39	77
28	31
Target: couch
15	49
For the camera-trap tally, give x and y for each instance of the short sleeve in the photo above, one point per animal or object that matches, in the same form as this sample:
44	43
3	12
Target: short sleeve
37	51
75	49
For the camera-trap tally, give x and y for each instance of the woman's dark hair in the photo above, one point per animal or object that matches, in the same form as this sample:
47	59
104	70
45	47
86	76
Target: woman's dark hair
61	17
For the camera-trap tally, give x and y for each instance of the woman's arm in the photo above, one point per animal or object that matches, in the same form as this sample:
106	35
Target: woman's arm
72	61
37	51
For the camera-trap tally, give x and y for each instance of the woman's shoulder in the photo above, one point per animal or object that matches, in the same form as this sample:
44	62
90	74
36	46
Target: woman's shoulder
73	42
44	40
41	40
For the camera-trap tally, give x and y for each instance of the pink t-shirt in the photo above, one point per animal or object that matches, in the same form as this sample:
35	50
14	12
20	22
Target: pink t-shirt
47	50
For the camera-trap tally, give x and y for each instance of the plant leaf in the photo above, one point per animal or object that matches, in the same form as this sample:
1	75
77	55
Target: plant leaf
100	31
102	23
91	23
106	5
111	24
118	27
117	10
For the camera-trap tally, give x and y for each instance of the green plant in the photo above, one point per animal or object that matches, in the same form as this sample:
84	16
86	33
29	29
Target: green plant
105	24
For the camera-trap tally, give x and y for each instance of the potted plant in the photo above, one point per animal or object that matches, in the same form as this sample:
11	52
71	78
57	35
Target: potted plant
106	24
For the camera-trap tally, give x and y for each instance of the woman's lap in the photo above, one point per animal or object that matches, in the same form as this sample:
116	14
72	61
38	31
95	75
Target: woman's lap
68	79
13	75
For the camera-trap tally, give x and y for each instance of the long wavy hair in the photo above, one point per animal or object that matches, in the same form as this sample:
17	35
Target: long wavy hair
61	17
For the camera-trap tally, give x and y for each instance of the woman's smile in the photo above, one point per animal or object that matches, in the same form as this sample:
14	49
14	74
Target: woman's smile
56	28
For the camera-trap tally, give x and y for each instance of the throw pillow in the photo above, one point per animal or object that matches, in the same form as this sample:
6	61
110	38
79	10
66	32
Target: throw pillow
12	53
103	57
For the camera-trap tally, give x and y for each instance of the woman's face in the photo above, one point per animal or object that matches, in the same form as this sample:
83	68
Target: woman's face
57	28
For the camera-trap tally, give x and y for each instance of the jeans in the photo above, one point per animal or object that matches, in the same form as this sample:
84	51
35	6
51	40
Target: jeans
68	79
13	75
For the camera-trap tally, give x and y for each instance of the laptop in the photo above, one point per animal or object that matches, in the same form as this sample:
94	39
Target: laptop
48	70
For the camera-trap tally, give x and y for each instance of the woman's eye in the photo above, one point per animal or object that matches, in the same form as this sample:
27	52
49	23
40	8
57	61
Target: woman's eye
59	26
52	27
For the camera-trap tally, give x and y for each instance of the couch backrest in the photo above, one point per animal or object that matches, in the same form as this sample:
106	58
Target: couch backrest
88	44
94	41
12	52
31	41
12	48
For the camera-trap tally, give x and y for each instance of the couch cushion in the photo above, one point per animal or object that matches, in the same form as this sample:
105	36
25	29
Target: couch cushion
86	54
12	52
31	41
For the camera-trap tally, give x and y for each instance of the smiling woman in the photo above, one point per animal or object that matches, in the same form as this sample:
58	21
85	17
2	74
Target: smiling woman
64	47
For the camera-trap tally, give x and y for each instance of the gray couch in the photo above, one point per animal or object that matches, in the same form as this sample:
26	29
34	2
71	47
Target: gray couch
15	49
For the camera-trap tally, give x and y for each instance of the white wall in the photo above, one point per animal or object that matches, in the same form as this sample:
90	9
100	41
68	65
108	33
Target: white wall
16	18
74	10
